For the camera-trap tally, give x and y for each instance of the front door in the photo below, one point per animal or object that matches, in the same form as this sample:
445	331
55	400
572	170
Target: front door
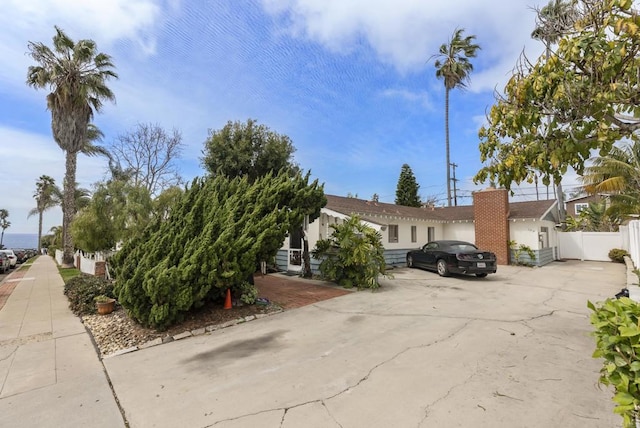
295	250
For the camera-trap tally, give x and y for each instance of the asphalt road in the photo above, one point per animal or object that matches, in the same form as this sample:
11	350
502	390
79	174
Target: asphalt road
510	350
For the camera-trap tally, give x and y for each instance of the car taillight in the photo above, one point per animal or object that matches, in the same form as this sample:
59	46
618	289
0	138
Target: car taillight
464	256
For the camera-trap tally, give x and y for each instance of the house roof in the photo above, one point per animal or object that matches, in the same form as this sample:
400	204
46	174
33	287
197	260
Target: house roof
586	198
370	210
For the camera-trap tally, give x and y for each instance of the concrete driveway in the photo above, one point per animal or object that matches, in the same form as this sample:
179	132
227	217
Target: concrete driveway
510	350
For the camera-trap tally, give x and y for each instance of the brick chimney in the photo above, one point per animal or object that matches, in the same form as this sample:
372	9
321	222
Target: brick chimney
491	214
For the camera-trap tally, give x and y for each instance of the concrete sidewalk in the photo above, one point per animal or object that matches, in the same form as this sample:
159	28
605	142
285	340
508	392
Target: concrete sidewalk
50	374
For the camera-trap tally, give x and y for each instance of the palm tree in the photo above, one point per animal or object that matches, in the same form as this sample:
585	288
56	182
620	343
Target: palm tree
616	175
53	238
4	224
47	196
453	66
76	74
554	20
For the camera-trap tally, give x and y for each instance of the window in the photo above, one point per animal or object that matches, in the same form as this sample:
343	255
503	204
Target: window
393	233
414	234
581	207
431	234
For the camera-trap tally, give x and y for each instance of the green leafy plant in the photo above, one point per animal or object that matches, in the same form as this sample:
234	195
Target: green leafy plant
353	256
83	290
617	255
211	240
102	298
249	293
519	250
617	333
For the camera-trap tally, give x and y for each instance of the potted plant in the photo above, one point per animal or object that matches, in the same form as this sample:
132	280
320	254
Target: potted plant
104	304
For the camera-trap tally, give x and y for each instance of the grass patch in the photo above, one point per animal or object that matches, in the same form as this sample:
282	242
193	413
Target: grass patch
68	273
26	265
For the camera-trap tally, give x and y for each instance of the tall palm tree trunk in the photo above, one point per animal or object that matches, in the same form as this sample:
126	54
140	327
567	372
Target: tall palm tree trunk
446	139
68	208
40	215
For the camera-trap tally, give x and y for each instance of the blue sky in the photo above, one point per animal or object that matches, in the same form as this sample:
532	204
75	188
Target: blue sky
348	80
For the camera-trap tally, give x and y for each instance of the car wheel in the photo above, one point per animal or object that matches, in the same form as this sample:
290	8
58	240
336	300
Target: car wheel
409	261
443	270
481	275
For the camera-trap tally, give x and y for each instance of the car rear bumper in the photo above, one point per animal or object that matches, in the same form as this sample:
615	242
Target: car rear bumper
472	268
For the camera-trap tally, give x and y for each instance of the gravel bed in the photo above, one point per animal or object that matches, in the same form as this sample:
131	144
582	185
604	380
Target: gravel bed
117	333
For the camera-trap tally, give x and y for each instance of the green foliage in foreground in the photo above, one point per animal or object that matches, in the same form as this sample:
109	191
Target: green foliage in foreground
617	324
352	256
211	240
82	290
617	255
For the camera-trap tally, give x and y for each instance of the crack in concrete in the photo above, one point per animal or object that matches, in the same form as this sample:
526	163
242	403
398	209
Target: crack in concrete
322	401
331	414
9	354
429	406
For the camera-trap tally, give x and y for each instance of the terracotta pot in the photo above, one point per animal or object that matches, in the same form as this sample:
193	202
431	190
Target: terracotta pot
105	308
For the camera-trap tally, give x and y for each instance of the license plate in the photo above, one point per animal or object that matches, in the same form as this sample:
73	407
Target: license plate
482	265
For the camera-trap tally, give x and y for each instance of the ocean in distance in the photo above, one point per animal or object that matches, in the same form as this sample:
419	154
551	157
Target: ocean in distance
20	240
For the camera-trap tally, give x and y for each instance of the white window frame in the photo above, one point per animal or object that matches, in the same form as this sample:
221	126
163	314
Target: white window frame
580	206
431	234
393	233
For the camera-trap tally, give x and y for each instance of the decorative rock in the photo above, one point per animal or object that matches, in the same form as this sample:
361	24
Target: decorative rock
182	335
149	344
122	351
228	324
250	317
211	328
198	331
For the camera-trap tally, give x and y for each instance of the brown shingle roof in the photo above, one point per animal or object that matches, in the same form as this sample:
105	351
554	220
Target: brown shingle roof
370	210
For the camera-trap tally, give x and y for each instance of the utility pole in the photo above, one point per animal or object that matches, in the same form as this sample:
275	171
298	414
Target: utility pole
455	193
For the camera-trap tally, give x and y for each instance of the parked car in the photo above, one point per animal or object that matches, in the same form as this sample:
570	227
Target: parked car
12	257
5	264
21	255
447	257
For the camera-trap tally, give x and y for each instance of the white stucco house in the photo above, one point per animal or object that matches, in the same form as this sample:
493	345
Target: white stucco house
490	223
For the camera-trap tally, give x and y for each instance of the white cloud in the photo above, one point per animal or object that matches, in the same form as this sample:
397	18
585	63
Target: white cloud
405	33
106	22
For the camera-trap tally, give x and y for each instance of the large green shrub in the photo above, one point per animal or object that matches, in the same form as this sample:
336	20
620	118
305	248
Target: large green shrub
211	240
617	324
352	256
81	291
617	255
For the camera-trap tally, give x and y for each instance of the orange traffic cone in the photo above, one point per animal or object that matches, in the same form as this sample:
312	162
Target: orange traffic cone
227	300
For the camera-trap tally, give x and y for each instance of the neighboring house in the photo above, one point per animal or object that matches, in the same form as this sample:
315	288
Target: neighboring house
490	223
575	205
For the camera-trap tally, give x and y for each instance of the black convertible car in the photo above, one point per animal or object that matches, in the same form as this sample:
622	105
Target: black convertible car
447	257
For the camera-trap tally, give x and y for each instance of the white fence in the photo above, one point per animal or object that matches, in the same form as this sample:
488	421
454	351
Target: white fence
634	241
86	262
593	246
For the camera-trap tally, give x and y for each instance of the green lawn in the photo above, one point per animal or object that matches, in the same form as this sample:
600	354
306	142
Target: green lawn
68	273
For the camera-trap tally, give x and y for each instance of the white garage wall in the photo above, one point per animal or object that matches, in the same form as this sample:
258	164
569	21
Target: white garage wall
461	231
